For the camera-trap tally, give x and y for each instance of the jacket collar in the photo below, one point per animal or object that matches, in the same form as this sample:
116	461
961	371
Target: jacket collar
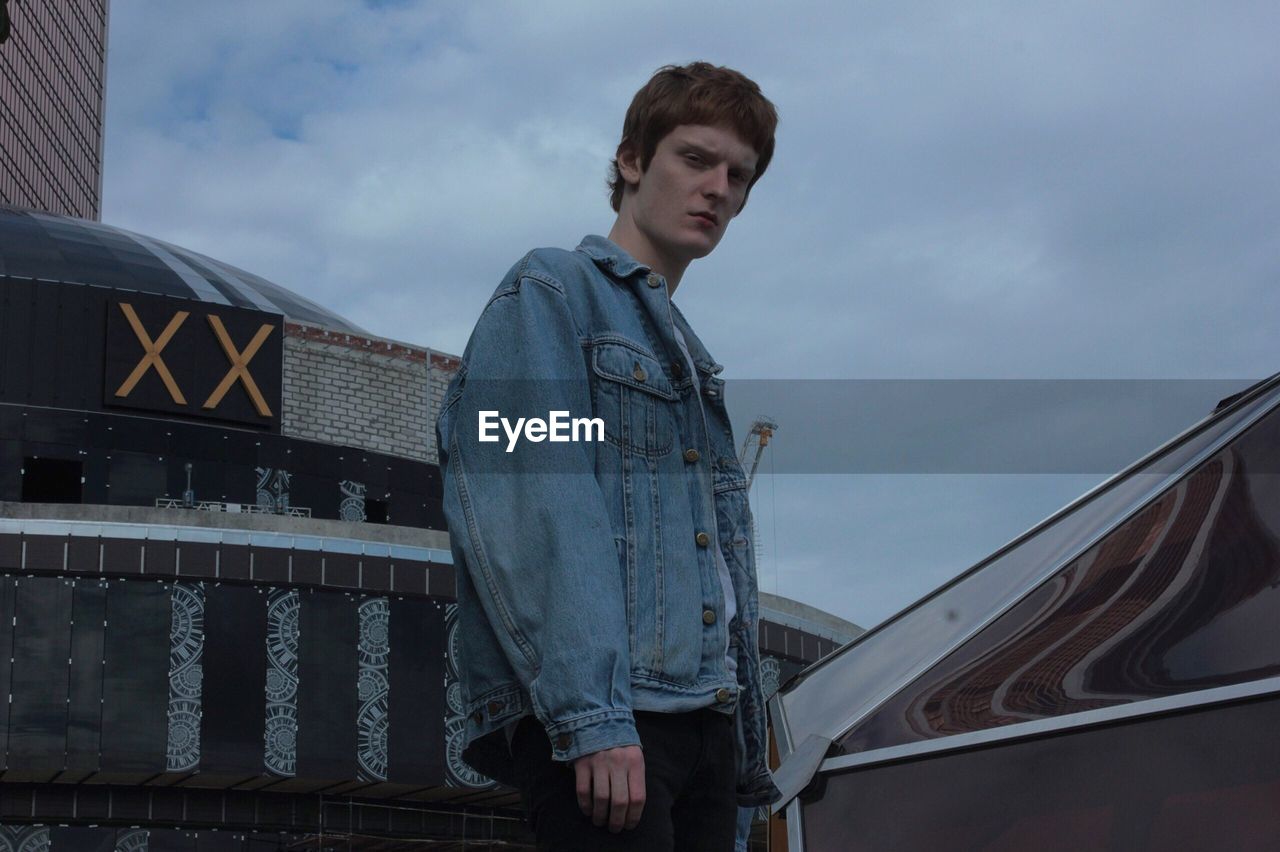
615	261
610	257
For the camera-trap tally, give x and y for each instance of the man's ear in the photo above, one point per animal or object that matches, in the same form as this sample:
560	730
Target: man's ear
629	163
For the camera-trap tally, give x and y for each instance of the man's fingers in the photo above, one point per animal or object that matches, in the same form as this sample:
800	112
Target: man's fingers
619	798
600	793
582	784
635	785
610	787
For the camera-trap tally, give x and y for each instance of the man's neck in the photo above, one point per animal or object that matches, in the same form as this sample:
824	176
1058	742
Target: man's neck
626	236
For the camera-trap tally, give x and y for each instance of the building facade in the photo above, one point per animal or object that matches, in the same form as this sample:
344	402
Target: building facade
221	532
53	68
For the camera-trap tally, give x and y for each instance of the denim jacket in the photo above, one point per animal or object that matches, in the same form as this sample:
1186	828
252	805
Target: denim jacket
587	587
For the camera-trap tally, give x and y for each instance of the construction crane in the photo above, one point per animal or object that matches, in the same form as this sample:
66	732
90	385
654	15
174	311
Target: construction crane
762	429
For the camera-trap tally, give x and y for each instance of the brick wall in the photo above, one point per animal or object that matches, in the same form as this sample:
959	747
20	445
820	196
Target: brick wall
362	392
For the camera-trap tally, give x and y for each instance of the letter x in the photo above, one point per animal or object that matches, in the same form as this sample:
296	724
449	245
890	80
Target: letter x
152	357
239	366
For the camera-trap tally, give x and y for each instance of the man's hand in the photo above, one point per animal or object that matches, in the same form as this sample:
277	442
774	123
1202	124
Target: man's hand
610	786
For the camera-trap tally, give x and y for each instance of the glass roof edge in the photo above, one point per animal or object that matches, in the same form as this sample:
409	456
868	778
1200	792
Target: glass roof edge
1053	724
1106	484
865	709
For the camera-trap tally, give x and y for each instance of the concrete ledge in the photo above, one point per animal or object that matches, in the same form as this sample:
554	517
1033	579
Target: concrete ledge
381	533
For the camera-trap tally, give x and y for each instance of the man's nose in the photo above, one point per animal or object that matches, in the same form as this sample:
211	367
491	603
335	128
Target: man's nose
717	182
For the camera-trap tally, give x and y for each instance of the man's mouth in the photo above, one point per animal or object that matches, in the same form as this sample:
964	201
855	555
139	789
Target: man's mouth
709	218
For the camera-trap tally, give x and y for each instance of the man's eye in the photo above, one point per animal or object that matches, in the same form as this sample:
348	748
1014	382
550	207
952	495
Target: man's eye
693	158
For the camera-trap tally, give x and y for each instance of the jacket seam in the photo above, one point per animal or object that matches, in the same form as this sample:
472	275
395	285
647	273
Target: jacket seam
473	533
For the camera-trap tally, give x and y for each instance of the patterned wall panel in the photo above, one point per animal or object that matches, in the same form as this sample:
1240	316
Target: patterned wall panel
352	506
373	686
186	677
281	747
457	772
24	838
133	840
273	489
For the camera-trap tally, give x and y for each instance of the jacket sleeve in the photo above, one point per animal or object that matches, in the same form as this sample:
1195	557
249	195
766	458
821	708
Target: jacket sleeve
533	524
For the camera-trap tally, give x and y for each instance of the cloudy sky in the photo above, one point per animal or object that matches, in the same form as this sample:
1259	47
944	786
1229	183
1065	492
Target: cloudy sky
987	191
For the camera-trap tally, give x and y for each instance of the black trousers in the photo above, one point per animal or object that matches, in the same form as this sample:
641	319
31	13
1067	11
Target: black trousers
690	776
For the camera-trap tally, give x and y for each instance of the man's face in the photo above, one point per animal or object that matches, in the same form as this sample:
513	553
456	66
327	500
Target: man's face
695	183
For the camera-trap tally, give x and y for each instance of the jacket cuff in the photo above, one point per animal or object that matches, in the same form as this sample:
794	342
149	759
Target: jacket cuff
593	732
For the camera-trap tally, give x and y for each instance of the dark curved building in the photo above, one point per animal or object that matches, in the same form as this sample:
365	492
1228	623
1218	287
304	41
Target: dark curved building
226	590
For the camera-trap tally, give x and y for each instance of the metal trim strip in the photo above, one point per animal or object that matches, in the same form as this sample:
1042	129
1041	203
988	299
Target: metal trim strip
1056	724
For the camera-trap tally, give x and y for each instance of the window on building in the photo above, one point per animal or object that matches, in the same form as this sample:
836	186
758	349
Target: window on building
375	511
46	480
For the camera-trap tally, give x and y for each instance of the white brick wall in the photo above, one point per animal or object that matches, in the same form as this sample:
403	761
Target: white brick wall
362	392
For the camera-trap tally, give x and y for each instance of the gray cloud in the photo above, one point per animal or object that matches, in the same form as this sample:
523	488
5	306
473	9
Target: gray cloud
991	191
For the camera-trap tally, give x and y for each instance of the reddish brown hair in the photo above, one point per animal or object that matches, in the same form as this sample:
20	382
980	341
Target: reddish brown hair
697	93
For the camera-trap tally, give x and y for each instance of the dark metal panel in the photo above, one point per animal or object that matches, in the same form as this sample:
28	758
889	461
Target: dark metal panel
17	344
271	564
409	576
442	580
10	462
327	699
84	693
10	551
160	558
81	839
233	562
84	554
135	689
197	559
306	567
93	802
137	479
77	353
235	675
342	570
375	573
219	841
44	552
8	592
68	429
171	840
121	556
416	706
41	648
55	801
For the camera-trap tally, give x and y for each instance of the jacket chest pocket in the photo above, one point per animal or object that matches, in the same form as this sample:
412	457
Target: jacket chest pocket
634	398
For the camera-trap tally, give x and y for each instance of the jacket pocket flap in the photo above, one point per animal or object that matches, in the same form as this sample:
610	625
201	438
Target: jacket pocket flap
631	366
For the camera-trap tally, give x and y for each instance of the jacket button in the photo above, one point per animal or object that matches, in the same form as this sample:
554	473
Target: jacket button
563	741
478	716
723	695
494	708
708	616
676	369
639	373
654	279
691	455
702	539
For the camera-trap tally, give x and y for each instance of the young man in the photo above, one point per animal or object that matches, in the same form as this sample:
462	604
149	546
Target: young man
606	578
